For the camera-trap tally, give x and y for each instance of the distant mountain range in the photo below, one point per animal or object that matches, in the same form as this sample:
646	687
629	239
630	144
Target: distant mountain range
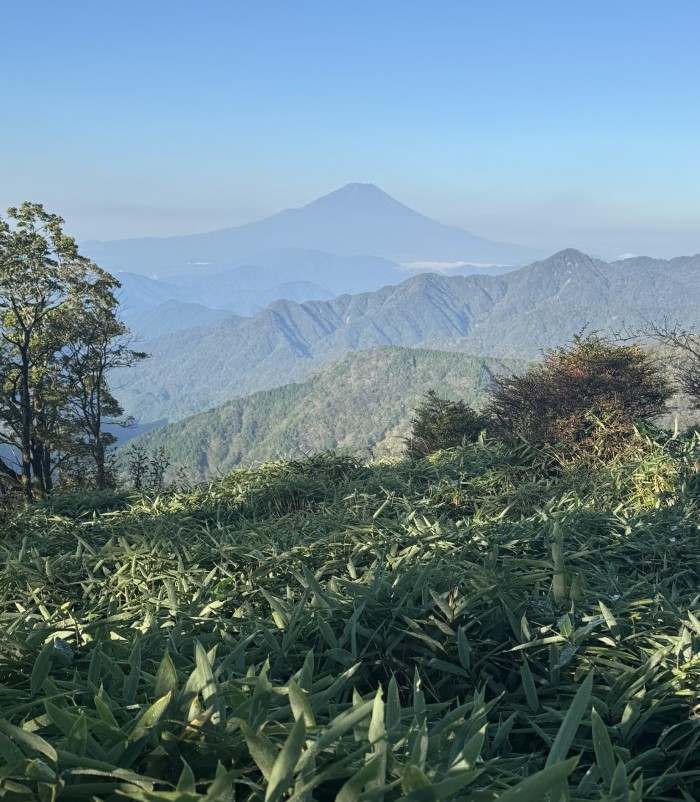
513	315
361	403
357	239
245	288
358	219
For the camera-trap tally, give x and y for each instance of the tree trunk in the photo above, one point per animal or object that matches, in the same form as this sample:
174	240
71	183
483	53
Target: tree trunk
46	470
98	448
26	437
12	476
100	473
38	465
41	466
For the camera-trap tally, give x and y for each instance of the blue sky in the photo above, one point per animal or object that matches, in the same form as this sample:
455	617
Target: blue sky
545	123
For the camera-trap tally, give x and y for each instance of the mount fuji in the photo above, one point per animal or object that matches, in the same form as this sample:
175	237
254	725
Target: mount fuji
358	219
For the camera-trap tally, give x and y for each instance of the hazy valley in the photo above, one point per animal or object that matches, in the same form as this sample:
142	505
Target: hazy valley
227	317
513	315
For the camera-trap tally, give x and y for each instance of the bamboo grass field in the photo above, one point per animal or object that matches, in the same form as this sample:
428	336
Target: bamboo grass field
471	626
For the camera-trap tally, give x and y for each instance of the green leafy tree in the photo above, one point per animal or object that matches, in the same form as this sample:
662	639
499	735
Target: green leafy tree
58	338
98	344
439	423
584	397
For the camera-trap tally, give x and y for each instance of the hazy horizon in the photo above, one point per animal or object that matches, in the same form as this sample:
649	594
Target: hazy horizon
549	126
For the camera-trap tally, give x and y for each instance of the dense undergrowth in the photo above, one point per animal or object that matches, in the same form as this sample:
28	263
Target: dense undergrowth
477	625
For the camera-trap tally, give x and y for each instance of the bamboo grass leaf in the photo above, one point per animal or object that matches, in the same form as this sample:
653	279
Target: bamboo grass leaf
559	579
536	787
377	737
419	708
150	717
306	675
337	727
76	741
352	789
619	785
60	717
186	781
37	769
301	707
42	667
610	620
95	669
202	683
166	677
282	771
529	686
131	680
393	707
261	749
413	779
29	739
444	789
260	701
463	649
502	733
569	726
11	753
605	757
221	789
418	742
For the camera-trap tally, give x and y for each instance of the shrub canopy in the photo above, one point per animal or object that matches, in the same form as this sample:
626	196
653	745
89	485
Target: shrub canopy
588	396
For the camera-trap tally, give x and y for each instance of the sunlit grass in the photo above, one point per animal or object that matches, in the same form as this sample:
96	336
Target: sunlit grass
478	625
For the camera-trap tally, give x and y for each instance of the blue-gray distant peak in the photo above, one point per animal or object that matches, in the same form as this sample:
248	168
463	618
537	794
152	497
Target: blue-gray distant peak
357	219
358	196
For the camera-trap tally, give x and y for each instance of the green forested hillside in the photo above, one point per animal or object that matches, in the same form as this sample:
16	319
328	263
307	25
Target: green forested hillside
515	315
360	403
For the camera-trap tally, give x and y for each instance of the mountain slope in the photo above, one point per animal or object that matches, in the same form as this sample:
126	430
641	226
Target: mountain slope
169	317
512	315
247	286
361	403
198	368
356	219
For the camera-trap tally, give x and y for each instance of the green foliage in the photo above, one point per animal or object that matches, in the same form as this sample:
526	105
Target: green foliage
582	400
146	470
439	423
515	314
463	628
360	404
59	337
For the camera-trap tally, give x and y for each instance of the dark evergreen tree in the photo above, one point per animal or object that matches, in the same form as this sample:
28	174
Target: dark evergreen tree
439	423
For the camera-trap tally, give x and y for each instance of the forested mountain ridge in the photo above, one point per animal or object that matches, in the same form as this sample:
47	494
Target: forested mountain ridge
513	315
361	403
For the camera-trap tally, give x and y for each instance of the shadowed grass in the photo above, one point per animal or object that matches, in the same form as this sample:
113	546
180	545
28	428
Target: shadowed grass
454	628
